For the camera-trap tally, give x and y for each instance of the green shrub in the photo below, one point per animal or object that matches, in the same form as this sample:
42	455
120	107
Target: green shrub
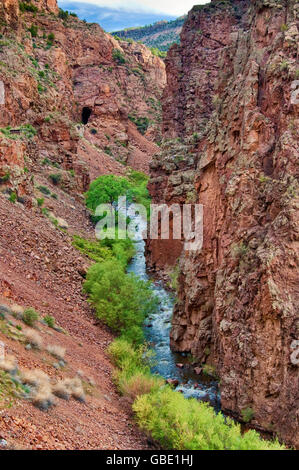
247	414
158	52
142	123
30	316
122	301
28	6
24	132
118	57
63	14
50	39
91	248
40	201
44	190
33	30
13	197
133	377
49	320
5	177
106	189
178	423
55	178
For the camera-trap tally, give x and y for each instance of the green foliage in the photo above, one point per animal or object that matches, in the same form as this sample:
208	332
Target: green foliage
5	177
92	248
141	123
284	65
173	276
27	6
44	190
247	414
40	201
13	197
30	316
139	189
178	423
55	178
133	376
63	14
158	52
49	320
106	189
33	30
209	370
23	132
122	301
118	57
50	39
8	390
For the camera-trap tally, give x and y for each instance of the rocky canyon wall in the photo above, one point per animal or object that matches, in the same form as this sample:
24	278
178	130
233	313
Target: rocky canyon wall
93	101
230	122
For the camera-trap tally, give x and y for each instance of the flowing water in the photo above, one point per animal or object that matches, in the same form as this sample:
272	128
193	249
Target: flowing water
157	329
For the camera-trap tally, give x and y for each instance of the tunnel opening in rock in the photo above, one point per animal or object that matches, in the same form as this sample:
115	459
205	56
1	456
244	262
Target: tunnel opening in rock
86	112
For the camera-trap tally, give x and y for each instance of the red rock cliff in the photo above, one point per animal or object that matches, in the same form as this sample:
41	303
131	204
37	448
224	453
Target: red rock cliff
94	101
231	130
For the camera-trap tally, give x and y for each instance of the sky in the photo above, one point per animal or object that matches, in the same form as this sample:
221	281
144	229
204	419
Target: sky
113	15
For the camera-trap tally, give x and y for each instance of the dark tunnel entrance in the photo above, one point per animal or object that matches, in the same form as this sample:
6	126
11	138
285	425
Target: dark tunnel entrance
86	112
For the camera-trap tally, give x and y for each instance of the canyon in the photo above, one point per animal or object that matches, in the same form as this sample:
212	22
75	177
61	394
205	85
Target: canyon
216	125
71	101
231	144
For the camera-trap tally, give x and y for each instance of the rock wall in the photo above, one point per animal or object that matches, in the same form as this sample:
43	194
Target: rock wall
231	144
52	68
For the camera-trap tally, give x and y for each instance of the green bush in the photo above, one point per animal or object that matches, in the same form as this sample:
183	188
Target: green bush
49	320
30	316
40	201
247	414
5	177
13	197
158	52
122	301
28	6
133	377
106	189
55	178
139	189
63	14
33	30
118	57
44	190
91	248
142	123
178	423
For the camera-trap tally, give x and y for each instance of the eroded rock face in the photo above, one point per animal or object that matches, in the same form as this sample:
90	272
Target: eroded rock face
228	101
64	66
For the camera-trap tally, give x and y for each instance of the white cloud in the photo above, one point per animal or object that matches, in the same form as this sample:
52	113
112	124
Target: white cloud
170	7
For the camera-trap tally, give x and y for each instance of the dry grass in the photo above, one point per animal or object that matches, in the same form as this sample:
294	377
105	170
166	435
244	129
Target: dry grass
8	364
17	311
33	338
56	351
34	377
42	395
69	387
139	384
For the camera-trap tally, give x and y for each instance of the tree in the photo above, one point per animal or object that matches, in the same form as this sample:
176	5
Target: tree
107	189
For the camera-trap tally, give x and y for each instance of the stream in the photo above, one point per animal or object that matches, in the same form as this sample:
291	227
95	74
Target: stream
157	329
